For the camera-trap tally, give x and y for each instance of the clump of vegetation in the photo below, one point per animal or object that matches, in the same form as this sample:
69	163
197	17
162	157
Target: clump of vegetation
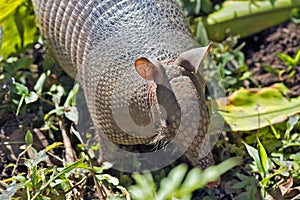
291	64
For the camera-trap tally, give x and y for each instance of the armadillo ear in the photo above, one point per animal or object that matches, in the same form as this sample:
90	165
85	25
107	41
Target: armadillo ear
149	70
192	59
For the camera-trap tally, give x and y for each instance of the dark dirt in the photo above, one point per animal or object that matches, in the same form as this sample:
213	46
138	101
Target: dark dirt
261	51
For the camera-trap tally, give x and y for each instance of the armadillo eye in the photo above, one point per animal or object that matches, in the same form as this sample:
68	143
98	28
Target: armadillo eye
167	122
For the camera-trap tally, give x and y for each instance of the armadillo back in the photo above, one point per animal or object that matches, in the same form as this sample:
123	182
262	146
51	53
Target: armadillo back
100	41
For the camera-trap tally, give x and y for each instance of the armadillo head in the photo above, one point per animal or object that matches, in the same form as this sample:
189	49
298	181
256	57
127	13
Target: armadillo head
176	98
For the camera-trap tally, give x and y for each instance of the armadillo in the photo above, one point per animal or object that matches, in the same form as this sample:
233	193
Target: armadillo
138	65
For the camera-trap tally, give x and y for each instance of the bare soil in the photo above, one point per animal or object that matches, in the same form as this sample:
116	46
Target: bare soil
261	51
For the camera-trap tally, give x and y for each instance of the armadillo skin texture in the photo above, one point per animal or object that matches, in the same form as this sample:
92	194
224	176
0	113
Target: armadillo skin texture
100	40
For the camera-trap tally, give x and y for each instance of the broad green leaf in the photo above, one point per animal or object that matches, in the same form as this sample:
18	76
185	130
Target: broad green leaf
206	6
250	109
18	25
25	62
8	7
245	18
212	173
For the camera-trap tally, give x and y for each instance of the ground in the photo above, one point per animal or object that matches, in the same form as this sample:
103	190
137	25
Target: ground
261	50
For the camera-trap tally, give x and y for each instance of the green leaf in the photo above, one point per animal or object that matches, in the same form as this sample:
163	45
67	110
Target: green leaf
192	182
11	190
288	60
24	62
214	172
108	178
274	131
250	109
271	70
293	120
297	57
263	157
103	167
197	178
38	87
171	183
206	6
71	99
56	97
255	156
295	15
31	97
266	180
201	34
144	188
1	41
72	114
20	104
19	26
21	89
8	7
59	111
54	145
39	157
29	138
197	7
245	18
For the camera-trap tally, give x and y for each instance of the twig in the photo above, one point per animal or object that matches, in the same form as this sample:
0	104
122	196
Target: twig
19	157
67	142
74	186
